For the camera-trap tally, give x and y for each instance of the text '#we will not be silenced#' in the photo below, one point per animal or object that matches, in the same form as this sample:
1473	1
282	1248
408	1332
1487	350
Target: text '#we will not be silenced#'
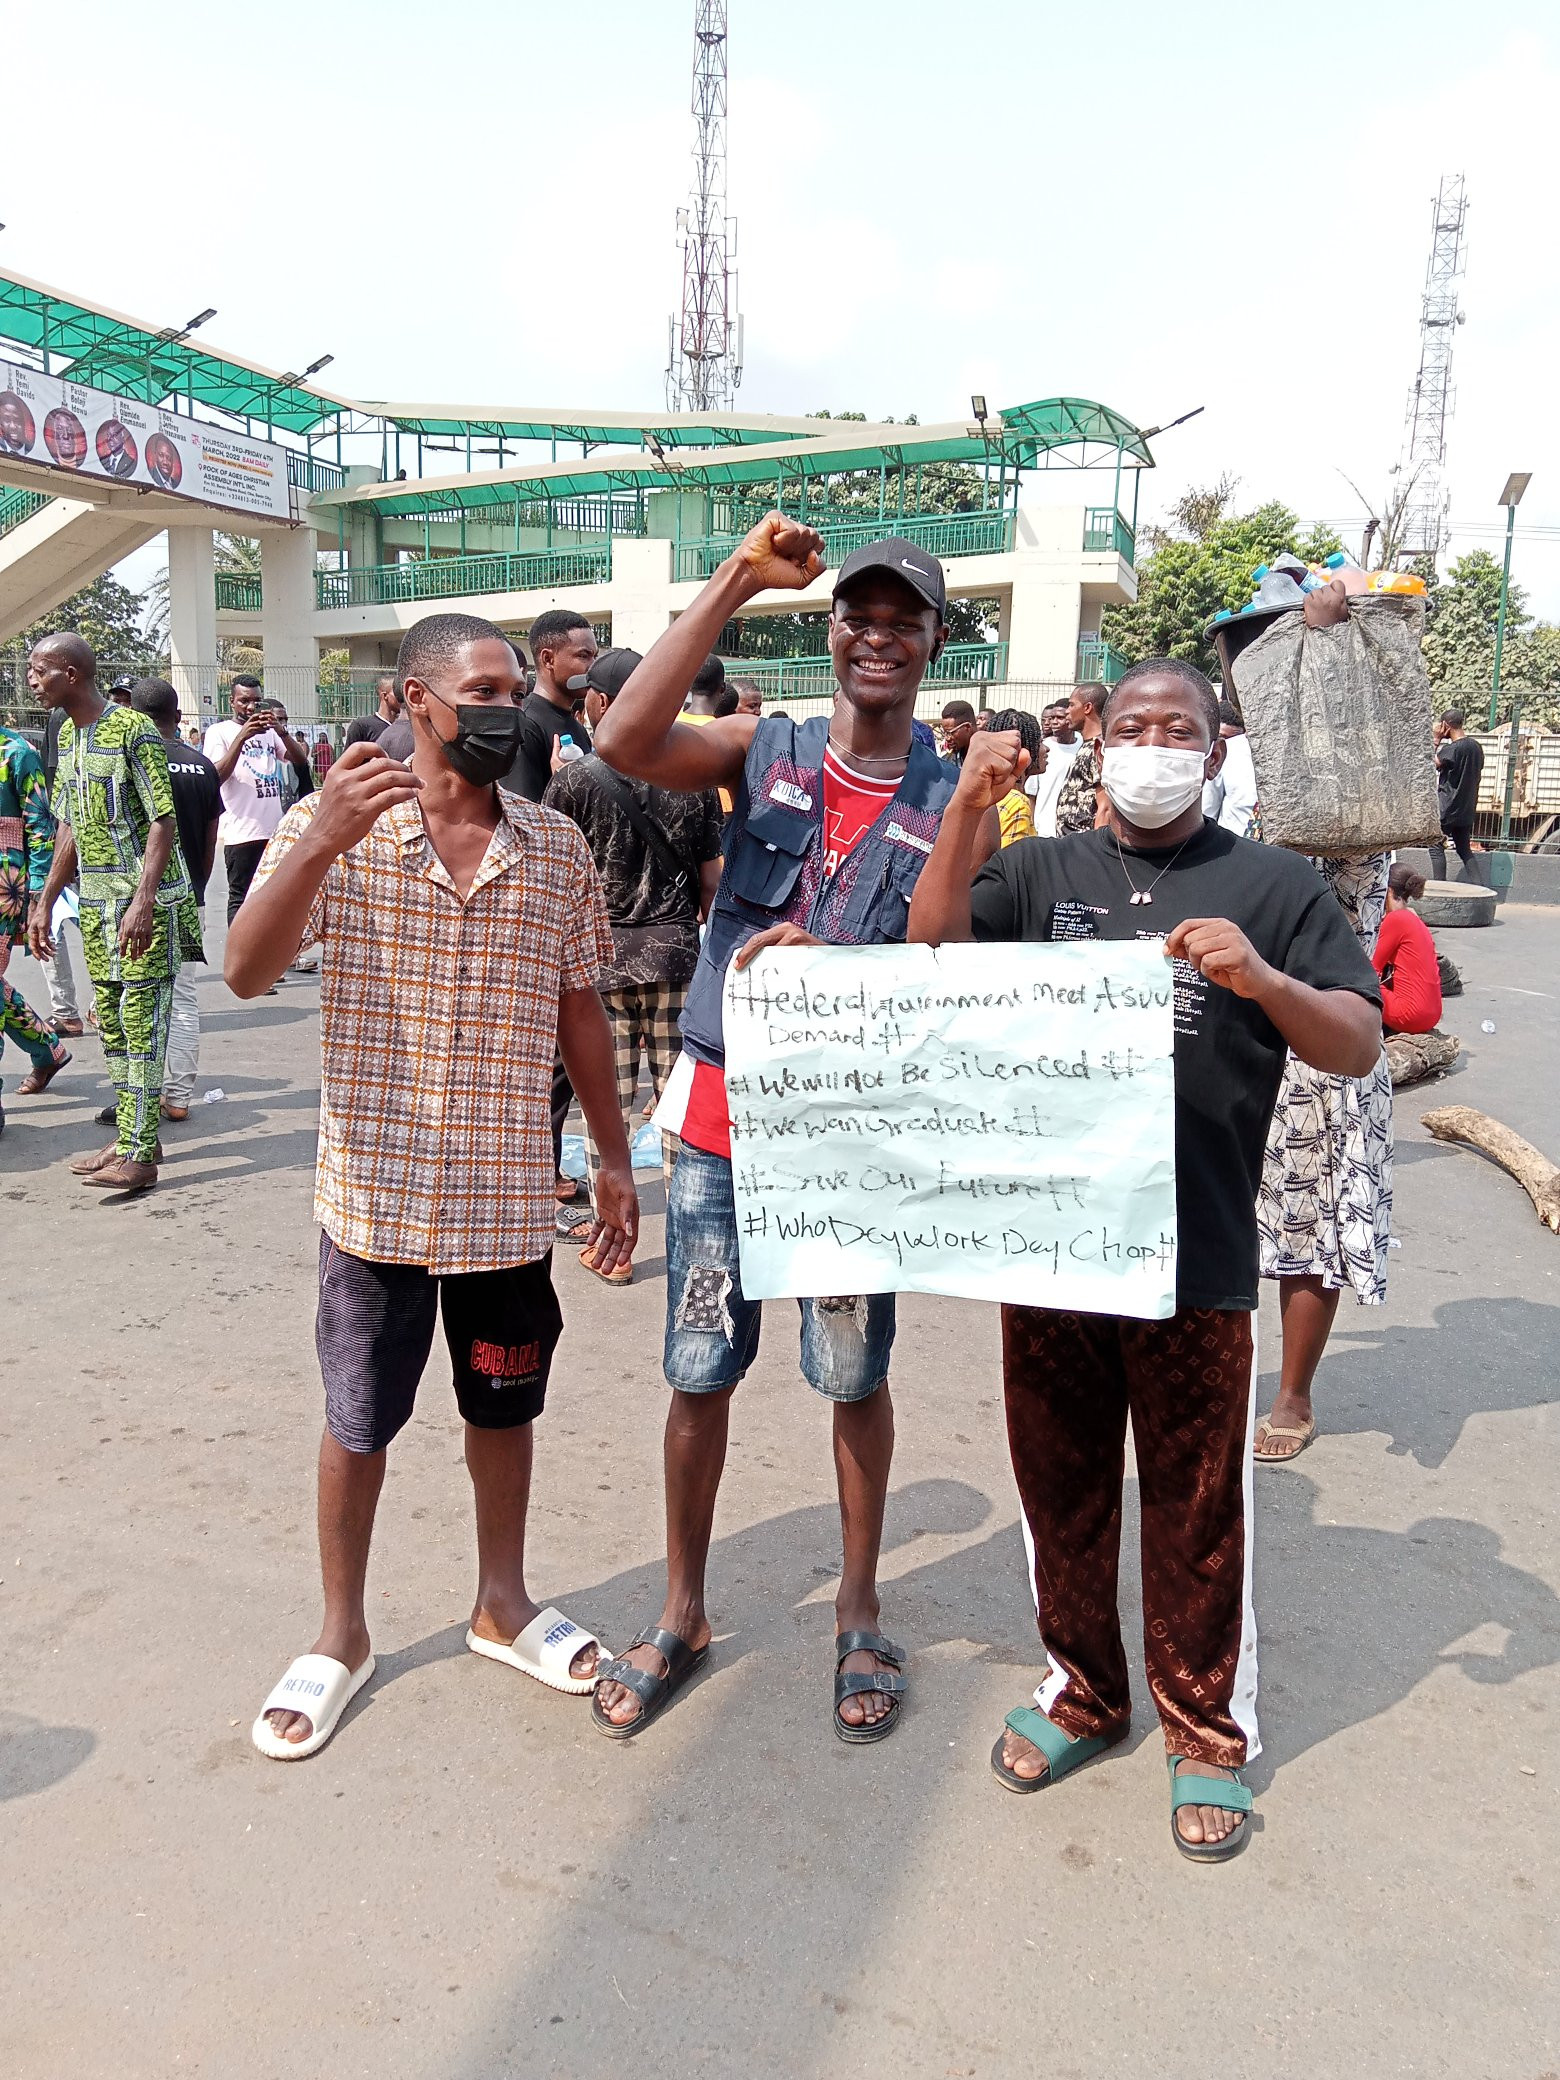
996	1122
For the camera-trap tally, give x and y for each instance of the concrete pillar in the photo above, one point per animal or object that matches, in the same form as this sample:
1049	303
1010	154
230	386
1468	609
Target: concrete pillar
192	621
367	655
287	618
1043	615
640	591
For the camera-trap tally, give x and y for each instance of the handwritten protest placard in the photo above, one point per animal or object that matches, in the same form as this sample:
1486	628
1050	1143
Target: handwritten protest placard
991	1121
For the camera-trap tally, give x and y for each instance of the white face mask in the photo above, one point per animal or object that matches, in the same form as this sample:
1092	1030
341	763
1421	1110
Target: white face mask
1150	783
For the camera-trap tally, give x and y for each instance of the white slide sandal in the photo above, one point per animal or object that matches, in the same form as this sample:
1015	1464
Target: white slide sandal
319	1688
544	1650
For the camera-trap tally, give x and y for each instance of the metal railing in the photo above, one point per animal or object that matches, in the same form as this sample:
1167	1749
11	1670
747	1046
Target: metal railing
961	664
942	534
309	474
1098	661
238	592
17	506
591	516
1104	529
460	577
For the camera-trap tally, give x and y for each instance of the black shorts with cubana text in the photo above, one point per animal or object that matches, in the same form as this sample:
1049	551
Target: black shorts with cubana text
374	1331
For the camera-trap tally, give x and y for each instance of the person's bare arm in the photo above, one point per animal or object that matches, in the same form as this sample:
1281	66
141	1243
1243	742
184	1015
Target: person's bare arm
229	759
940	908
264	937
640	733
709	881
140	918
209	850
1331	1029
40	934
585	1042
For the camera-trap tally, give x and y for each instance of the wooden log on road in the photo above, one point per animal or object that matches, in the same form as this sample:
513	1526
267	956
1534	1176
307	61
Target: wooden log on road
1538	1177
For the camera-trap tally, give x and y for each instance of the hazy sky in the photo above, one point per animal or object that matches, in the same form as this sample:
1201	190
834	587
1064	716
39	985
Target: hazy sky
477	203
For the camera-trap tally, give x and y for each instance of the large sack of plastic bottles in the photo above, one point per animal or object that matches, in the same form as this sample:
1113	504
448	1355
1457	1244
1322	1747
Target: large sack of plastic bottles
1339	719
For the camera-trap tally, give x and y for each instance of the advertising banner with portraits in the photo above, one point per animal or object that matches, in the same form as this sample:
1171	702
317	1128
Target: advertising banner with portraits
54	424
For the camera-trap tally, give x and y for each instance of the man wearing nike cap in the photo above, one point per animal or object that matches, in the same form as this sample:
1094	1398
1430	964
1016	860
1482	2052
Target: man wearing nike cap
832	821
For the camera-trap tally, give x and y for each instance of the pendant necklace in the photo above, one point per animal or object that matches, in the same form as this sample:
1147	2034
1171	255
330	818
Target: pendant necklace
1146	895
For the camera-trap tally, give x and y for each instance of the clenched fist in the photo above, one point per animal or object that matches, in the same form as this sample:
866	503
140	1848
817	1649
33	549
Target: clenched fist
782	553
994	765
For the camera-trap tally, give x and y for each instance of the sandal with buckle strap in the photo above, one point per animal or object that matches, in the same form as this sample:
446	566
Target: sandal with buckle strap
885	1682
654	1692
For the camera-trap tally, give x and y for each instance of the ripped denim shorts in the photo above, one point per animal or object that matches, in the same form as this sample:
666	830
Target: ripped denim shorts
712	1329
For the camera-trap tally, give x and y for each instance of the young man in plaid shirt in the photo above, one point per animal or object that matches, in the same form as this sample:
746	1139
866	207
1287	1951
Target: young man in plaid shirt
462	932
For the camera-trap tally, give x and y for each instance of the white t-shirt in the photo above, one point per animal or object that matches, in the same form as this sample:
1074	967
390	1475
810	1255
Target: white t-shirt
1048	785
252	798
1231	798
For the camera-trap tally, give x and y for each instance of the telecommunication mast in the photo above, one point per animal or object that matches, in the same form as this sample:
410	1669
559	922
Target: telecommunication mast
704	365
1432	399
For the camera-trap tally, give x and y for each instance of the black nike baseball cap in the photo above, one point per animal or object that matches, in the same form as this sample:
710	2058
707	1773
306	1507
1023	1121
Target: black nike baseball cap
906	561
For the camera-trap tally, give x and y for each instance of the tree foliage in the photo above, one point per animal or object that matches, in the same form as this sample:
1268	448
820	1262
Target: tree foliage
1201	564
1460	643
108	615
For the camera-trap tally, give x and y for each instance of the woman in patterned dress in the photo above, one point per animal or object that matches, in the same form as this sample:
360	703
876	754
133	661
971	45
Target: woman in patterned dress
26	853
1324	1211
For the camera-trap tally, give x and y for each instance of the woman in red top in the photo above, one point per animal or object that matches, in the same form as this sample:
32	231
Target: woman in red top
1405	959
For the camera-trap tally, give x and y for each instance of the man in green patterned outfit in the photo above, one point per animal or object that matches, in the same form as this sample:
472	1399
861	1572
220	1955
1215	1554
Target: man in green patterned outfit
26	848
139	919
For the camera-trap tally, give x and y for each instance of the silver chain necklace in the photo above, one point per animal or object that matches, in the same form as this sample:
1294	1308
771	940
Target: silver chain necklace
1146	895
859	758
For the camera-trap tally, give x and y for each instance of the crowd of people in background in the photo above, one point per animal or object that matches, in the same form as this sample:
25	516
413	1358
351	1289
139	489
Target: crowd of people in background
536	872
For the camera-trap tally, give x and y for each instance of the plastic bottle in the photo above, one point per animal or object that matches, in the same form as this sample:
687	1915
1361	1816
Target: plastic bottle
568	751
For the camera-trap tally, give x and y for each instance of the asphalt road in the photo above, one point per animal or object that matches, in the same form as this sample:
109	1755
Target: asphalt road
470	1882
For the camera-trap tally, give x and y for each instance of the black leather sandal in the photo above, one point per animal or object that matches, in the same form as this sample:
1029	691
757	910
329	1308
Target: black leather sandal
886	1684
653	1692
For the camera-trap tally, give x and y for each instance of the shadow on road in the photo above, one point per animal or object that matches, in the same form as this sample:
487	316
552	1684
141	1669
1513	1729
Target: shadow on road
34	1756
761	1863
1482	1357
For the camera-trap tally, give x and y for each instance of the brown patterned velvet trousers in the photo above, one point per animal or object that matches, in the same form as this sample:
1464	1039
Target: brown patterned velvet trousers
1071	1380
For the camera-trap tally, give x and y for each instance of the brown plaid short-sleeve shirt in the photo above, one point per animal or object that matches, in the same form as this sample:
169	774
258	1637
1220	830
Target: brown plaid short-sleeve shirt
438	1026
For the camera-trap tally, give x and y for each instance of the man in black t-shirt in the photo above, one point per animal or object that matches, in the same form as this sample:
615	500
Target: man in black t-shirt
563	644
197	810
1459	766
368	729
1264	962
658	855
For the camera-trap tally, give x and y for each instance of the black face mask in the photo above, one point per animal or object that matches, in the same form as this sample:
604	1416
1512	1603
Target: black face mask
485	741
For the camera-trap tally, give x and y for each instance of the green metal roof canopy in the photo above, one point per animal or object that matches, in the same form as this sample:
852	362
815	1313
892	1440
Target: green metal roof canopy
594	429
1032	436
84	343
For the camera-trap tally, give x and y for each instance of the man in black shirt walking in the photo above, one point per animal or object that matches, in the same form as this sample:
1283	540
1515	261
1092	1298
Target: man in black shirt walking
658	855
368	729
1459	764
1264	961
197	810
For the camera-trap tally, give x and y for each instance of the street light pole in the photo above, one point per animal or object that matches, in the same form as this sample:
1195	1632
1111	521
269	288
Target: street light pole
1510	498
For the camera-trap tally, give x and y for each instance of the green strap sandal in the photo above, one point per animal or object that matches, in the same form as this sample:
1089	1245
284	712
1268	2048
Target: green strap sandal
1062	1753
1227	1793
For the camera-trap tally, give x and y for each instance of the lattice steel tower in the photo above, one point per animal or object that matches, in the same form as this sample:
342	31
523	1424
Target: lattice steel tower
1432	399
704	366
